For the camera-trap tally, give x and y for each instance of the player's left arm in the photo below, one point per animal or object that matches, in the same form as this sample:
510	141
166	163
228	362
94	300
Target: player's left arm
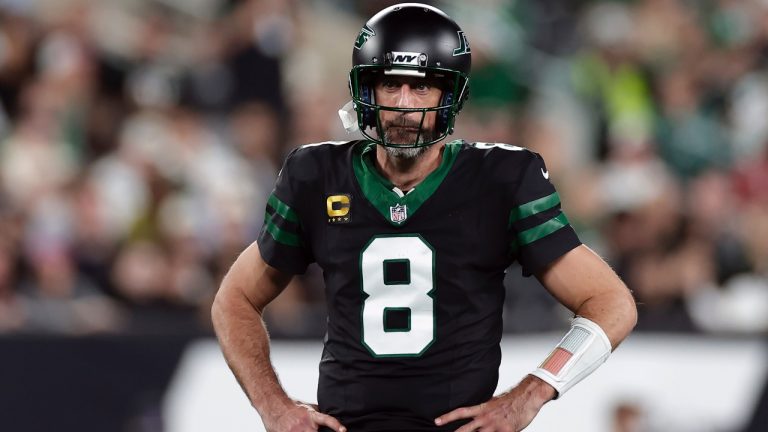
546	246
586	285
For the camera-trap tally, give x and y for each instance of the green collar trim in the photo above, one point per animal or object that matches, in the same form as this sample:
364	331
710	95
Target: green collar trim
380	192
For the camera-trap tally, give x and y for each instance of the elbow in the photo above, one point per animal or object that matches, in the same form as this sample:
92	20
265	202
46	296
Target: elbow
218	309
623	319
630	311
223	304
231	303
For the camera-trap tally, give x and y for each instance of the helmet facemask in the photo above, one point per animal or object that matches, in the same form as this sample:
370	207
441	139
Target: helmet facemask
362	82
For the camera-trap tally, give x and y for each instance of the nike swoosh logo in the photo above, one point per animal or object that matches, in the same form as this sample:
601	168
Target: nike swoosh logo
545	174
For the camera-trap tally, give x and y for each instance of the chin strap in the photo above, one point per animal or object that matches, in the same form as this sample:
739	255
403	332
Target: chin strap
581	351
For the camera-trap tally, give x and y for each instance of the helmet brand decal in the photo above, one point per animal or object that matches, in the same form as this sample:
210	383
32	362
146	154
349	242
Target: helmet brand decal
405	58
463	45
365	34
398	213
337	207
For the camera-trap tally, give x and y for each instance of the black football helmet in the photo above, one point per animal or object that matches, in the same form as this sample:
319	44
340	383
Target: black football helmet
410	39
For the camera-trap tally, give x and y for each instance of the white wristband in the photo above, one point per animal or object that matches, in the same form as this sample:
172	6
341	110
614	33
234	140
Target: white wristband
582	350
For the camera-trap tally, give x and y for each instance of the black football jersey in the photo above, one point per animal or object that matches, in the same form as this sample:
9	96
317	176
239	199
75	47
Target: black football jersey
413	280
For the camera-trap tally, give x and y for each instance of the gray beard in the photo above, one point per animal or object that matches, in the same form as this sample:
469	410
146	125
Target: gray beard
393	136
409	153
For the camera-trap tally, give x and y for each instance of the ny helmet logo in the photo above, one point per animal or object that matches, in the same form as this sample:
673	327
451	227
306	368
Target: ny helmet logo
463	45
365	34
404	58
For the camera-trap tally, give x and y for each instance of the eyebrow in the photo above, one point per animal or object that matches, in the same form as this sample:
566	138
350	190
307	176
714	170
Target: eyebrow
409	80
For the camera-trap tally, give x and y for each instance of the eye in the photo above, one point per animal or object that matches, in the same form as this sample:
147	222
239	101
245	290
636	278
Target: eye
390	85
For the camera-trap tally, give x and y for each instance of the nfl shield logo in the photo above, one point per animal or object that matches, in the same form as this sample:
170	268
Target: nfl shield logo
398	213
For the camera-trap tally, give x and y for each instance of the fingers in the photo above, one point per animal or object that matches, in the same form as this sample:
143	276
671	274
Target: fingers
458	413
325	420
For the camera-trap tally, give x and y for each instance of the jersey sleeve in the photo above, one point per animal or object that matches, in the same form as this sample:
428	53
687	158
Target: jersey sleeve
283	240
539	230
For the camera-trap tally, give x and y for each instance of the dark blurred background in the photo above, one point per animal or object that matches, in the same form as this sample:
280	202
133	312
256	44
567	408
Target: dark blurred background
139	140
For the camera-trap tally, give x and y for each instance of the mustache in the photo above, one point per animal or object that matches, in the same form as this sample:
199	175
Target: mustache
403	122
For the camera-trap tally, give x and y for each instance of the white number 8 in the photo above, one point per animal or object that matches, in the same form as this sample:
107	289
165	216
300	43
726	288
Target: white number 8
410	295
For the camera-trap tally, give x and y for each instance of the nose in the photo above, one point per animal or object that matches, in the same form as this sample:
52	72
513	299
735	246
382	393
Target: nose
405	98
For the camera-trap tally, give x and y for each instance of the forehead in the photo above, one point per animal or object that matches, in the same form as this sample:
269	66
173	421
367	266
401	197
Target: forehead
410	80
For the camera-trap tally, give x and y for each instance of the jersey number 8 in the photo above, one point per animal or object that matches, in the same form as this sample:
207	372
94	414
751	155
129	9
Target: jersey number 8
398	316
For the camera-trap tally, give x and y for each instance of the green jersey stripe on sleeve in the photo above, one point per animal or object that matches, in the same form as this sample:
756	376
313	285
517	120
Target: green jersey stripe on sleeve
282	209
538	232
280	235
533	207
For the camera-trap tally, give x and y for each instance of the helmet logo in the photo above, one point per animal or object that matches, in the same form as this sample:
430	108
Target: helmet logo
463	45
405	58
365	34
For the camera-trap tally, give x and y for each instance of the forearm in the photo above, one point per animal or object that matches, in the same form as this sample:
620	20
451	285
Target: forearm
589	287
245	343
614	311
602	322
606	312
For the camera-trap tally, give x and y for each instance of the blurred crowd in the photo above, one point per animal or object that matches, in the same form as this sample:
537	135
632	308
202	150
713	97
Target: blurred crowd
140	139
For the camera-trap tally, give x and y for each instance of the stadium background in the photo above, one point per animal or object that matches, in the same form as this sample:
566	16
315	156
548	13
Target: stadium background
139	140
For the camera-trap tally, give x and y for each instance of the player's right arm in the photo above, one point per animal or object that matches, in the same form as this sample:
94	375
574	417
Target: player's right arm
249	286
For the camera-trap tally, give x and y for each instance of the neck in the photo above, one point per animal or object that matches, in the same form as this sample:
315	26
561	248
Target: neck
406	173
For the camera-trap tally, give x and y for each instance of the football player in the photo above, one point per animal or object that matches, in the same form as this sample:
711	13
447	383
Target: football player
413	235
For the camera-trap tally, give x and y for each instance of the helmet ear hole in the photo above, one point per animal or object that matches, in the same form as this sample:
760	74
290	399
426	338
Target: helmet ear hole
444	115
463	99
367	96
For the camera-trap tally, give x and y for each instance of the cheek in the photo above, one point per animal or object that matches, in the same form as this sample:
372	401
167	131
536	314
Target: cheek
386	115
429	119
383	98
432	115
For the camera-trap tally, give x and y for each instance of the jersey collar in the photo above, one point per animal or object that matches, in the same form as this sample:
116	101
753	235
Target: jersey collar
382	194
